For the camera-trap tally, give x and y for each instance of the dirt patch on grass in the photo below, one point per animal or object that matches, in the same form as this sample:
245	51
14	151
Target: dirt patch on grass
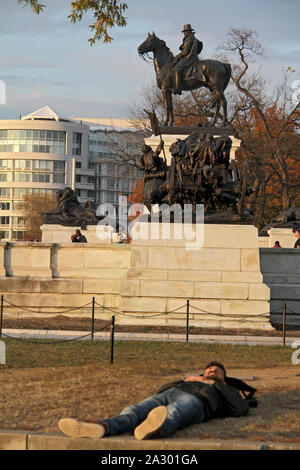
61	322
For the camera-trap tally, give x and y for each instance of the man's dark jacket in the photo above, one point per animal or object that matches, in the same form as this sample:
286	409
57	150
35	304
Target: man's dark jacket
219	399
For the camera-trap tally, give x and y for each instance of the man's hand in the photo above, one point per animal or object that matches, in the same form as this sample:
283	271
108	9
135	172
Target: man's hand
199	378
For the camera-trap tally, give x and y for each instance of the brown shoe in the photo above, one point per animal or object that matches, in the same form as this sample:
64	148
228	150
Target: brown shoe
152	424
75	428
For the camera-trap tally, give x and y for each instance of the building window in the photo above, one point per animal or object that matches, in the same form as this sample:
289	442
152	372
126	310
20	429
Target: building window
110	169
78	178
19	192
41	164
18	221
43	191
58	165
110	184
41	177
22	164
4	220
76	143
4	205
4	192
59	178
78	164
18	235
21	177
111	197
3	177
4	234
27	140
4	164
125	185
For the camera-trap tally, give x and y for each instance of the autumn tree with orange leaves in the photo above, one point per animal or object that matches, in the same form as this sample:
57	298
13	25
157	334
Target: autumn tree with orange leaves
269	130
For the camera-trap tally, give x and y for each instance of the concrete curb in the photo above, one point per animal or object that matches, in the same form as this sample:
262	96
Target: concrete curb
23	440
105	336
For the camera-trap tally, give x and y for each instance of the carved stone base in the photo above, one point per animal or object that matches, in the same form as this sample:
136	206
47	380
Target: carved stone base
222	280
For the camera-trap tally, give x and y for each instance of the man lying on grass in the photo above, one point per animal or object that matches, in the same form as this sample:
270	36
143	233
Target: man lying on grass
194	399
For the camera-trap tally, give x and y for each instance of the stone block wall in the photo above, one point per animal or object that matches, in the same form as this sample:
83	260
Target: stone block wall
229	281
222	280
50	277
280	268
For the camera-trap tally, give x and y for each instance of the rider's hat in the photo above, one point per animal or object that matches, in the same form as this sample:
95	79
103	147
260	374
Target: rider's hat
187	27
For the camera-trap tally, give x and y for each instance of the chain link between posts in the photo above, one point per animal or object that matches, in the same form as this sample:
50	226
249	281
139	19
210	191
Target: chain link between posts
187	305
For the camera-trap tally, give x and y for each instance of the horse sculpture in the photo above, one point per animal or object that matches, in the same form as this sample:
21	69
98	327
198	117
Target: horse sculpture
212	74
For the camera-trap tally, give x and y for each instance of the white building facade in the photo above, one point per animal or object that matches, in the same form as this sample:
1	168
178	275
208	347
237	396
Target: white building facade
40	152
114	174
45	152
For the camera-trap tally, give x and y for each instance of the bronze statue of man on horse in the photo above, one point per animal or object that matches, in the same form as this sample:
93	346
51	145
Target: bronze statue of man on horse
187	72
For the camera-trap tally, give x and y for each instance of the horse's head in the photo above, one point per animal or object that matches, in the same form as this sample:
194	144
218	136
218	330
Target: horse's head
149	44
175	148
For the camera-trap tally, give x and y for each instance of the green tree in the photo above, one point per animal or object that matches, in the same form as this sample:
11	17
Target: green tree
107	14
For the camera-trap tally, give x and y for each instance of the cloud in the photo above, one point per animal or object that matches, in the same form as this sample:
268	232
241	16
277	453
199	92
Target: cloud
47	60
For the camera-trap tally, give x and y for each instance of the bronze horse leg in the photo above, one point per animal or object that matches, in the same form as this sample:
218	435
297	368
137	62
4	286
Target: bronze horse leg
168	103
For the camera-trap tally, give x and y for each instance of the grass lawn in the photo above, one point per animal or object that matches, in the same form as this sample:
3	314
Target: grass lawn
45	381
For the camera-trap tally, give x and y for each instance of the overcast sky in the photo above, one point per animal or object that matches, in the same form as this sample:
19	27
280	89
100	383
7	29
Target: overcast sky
46	60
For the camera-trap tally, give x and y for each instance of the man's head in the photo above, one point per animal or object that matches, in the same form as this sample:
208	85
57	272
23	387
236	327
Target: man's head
145	148
297	233
216	371
187	30
77	232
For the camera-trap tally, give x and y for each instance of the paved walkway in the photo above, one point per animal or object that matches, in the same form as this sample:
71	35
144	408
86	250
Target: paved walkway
28	440
105	336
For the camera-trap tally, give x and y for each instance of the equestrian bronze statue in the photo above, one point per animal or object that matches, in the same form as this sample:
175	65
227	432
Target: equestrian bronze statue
187	72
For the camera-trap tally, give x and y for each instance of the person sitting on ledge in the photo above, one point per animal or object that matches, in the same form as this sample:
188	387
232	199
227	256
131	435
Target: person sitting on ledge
297	242
277	244
77	237
195	399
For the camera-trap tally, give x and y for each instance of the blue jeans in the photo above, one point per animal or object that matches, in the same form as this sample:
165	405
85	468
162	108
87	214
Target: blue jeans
183	409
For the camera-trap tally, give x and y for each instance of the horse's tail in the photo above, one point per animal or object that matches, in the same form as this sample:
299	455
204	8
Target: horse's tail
227	76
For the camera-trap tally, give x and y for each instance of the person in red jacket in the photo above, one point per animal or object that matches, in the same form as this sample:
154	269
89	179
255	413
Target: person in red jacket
194	399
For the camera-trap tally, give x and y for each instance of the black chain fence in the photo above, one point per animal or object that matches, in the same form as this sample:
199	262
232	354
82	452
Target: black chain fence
110	325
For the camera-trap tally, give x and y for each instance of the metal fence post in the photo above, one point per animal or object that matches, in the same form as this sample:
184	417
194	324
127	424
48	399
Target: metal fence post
93	317
187	320
112	338
284	323
1	316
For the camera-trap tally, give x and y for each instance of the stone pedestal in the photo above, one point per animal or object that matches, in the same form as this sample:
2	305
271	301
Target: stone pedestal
2	259
28	259
222	280
285	236
95	234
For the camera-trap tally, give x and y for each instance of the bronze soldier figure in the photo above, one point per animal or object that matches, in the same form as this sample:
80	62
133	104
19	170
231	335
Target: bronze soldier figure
154	168
190	49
